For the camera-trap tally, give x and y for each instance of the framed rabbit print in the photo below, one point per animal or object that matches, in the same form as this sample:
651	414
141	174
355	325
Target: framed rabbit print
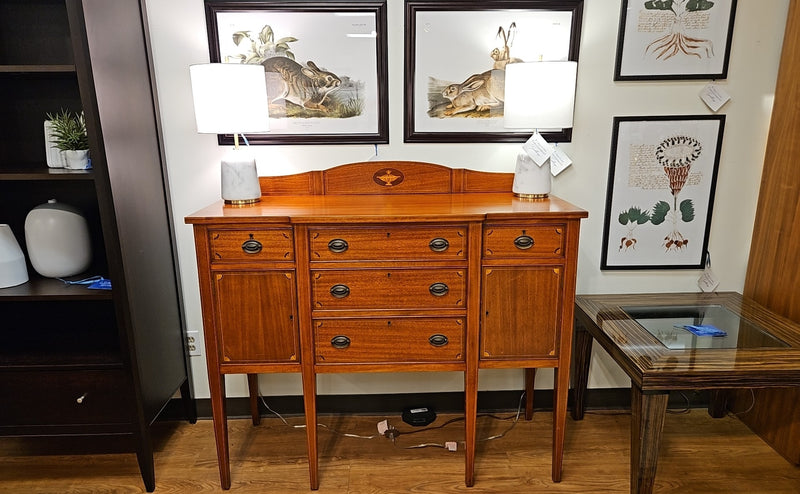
455	58
324	63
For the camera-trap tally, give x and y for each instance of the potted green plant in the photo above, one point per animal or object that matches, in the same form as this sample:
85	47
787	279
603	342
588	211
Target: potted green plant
68	132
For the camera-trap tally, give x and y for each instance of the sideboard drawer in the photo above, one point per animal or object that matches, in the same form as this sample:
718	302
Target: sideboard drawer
388	289
389	340
539	240
389	242
256	245
64	398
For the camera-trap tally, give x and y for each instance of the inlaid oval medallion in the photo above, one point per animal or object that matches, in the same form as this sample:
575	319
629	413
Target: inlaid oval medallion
388	177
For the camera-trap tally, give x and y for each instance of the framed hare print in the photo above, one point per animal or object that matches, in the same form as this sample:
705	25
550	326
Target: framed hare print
455	58
324	63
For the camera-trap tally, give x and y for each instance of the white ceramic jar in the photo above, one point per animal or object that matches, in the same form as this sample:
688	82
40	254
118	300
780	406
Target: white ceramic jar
57	236
13	271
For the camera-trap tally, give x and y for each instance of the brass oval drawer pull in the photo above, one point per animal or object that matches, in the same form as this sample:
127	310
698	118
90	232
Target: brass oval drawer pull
438	340
340	342
338	245
251	246
523	242
81	399
340	291
439	289
439	244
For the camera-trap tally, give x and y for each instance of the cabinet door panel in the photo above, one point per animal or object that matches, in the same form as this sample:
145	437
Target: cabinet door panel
521	311
256	316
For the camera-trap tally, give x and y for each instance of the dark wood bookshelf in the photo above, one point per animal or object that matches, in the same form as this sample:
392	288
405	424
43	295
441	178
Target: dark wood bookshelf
38	69
123	350
42	172
39	289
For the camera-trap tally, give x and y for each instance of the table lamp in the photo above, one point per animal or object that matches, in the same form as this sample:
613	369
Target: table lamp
538	95
232	99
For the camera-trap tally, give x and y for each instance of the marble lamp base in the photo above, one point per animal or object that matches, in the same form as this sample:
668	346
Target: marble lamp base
240	179
531	181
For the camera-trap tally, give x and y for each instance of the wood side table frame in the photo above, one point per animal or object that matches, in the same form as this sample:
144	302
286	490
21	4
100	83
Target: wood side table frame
306	281
655	370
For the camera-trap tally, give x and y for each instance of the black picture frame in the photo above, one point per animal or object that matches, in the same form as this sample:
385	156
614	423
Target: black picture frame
660	193
457	13
334	121
645	54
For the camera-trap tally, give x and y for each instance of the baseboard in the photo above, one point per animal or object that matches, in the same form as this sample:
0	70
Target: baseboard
450	402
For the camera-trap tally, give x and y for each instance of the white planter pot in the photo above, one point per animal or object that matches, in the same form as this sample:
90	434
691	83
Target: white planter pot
55	158
76	160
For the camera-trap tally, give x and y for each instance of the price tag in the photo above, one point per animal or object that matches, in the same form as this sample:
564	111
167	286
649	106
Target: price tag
708	281
537	148
559	161
714	96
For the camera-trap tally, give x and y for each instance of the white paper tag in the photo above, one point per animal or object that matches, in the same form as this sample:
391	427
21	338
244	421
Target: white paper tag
714	96
559	161
708	281
537	148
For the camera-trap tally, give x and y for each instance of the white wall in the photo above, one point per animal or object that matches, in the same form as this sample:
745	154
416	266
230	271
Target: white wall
178	32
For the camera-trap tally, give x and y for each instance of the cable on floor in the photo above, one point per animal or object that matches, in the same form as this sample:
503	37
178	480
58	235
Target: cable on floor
393	433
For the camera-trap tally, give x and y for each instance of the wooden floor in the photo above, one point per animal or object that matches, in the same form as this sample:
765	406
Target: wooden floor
699	455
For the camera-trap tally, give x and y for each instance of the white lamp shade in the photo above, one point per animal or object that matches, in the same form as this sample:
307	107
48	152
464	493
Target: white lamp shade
230	98
540	95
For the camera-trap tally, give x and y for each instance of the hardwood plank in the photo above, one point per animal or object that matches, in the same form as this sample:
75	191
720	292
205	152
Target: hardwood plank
698	455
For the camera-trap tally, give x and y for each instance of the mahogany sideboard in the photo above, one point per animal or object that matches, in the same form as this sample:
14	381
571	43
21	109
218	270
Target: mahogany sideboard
387	266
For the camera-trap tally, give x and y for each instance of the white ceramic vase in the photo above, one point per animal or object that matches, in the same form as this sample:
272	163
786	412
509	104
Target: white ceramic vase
13	271
57	237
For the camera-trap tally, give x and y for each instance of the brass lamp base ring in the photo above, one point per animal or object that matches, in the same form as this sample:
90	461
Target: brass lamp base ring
531	196
242	202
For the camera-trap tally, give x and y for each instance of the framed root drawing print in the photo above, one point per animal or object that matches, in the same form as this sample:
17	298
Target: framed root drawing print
456	53
674	39
661	182
325	66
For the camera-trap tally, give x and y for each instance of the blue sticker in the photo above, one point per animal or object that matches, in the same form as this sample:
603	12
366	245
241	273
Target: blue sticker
703	329
101	284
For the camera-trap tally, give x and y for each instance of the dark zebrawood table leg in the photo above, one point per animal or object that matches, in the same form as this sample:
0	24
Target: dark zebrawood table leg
717	403
647	422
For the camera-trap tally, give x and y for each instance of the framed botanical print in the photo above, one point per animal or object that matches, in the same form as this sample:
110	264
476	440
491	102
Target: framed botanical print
325	66
456	54
674	39
660	194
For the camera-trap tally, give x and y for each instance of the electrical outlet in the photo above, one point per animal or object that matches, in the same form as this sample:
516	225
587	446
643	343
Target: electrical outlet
193	343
